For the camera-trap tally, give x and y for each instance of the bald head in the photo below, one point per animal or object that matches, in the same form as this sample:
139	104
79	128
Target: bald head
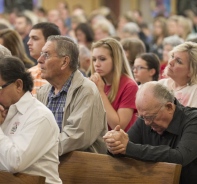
153	93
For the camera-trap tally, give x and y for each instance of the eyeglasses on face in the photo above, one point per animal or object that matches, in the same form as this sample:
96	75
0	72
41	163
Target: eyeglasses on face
45	55
150	119
139	68
6	84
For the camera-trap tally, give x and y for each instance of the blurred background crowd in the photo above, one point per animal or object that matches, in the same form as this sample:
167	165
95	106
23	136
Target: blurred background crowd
154	26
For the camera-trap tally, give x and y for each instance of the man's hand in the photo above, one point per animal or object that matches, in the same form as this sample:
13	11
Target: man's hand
116	140
3	113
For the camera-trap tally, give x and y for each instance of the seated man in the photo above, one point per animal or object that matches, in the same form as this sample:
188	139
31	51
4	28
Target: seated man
74	100
37	38
28	131
165	131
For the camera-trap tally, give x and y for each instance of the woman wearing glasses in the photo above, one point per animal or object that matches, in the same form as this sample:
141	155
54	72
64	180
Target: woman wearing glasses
146	68
112	75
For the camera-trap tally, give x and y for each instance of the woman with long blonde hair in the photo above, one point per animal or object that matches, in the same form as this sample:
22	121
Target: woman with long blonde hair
112	75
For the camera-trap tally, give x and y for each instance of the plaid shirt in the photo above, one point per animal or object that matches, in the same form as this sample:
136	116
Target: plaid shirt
56	102
38	81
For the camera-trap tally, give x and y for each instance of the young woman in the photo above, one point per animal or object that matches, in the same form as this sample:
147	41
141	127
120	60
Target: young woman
112	75
146	68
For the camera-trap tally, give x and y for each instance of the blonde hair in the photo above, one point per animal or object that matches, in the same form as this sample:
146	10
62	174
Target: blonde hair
106	26
120	63
186	24
191	49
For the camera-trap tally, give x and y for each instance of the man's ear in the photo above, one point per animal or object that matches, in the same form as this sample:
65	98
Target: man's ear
19	84
65	62
88	61
170	107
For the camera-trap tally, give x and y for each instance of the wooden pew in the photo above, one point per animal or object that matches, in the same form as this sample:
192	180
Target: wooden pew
83	167
20	178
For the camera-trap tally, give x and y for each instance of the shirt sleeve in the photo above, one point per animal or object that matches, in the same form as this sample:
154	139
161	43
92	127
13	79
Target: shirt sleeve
126	95
21	150
183	153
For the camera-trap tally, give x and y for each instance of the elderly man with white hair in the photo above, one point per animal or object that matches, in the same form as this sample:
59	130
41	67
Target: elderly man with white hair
165	131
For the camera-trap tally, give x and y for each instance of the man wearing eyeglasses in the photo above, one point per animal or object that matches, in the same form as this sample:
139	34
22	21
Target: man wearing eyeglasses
74	100
28	130
165	131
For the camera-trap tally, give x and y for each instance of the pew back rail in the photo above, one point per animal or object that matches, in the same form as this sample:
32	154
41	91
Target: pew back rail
83	167
20	178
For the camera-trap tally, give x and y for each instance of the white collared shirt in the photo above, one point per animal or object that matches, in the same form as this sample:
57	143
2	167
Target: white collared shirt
29	140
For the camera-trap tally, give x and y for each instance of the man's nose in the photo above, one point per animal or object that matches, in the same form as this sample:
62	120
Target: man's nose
40	59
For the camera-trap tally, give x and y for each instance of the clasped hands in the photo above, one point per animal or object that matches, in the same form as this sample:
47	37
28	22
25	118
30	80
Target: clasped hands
116	140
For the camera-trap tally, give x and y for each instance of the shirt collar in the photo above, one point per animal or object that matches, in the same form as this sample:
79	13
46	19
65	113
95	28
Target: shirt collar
177	119
64	88
23	104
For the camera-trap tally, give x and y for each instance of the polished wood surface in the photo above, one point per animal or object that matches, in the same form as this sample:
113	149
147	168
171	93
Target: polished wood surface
82	167
20	178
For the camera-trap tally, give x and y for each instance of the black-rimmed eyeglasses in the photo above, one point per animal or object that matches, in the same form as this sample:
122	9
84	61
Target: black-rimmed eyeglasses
5	85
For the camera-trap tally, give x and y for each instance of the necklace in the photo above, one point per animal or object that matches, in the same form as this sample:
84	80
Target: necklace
175	90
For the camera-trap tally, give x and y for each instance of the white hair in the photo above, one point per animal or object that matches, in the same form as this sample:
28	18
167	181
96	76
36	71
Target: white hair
4	51
172	40
131	28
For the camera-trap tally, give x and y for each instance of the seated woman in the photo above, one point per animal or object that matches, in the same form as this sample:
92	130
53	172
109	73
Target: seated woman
132	47
146	68
181	71
11	39
112	75
168	44
84	34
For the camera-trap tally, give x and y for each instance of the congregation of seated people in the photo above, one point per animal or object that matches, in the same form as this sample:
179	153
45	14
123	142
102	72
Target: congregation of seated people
97	84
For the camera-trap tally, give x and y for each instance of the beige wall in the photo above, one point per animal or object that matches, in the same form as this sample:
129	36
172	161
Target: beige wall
125	5
88	5
128	5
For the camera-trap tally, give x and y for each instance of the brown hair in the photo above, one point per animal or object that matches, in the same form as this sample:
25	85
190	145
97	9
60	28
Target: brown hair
12	41
134	47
